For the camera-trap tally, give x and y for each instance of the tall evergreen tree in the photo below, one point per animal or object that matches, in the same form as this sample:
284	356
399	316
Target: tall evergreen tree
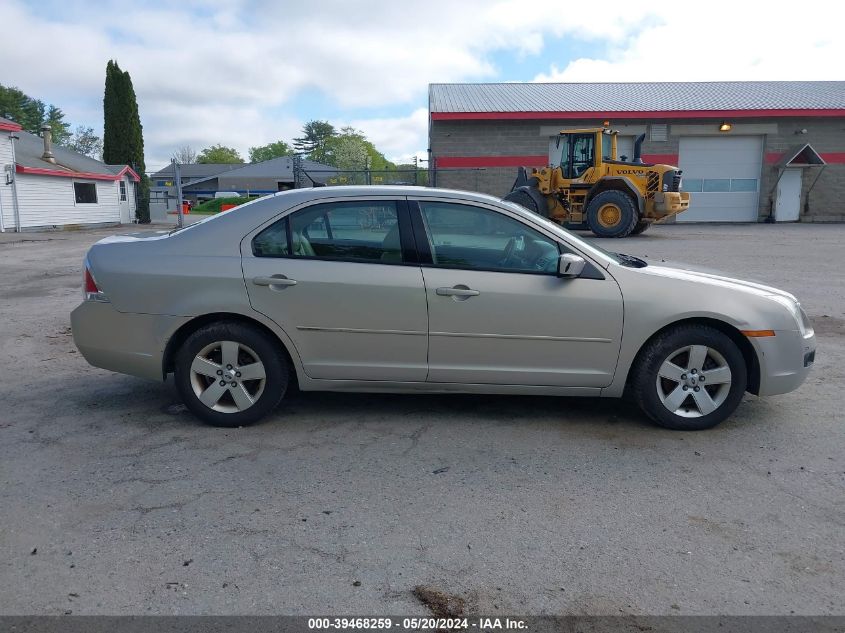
123	140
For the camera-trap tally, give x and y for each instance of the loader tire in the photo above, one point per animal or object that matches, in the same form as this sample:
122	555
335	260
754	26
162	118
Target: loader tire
641	227
524	200
612	214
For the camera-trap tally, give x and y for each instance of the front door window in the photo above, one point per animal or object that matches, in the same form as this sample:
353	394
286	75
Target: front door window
462	236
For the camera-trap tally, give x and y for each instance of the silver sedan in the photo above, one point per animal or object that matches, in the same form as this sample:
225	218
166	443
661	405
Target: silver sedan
407	289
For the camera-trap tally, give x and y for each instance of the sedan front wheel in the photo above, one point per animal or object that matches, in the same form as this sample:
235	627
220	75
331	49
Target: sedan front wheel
230	374
690	378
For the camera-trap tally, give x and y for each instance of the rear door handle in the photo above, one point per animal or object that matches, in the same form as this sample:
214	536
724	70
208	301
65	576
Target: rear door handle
275	280
457	291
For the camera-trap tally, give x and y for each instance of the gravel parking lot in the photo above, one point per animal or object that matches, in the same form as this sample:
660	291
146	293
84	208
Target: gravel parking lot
114	500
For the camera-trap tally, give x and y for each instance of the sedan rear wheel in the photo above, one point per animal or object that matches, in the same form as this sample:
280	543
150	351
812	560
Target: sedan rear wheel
690	378
230	374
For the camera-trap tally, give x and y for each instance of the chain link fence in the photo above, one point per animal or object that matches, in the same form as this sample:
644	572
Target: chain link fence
336	178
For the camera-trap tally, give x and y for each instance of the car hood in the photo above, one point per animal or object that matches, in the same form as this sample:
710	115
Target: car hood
685	272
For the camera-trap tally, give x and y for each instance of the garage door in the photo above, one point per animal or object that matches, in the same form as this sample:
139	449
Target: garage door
723	176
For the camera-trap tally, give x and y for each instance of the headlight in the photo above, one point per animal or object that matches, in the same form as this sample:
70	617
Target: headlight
797	312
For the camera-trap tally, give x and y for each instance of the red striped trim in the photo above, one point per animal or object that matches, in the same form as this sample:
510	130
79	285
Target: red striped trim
832	158
40	171
10	127
527	161
444	162
661	159
647	114
491	161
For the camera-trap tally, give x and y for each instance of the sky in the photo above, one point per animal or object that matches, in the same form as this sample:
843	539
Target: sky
248	72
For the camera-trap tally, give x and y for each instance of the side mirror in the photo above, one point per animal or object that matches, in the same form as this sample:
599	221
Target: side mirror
570	265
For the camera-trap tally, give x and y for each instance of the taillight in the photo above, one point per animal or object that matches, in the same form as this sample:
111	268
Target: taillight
90	284
91	292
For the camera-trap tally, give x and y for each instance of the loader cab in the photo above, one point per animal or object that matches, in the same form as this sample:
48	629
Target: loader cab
583	149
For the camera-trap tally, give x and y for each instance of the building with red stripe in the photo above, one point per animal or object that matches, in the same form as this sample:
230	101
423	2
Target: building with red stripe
45	186
750	151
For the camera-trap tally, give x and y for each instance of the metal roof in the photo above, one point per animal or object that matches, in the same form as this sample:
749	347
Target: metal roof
637	97
29	148
197	170
281	168
8	125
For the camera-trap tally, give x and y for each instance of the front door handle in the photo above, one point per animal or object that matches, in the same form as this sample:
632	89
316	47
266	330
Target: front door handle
457	291
275	280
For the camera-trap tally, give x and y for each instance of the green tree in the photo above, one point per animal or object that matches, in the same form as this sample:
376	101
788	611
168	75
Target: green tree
84	141
21	108
350	150
271	150
31	114
219	154
61	129
123	139
315	136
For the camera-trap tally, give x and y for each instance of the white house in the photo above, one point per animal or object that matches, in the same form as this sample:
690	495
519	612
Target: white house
46	187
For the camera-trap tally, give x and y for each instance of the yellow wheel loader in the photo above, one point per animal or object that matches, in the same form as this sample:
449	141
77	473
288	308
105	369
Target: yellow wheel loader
592	189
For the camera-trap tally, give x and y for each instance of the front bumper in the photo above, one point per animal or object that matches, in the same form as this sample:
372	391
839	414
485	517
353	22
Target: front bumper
785	360
123	342
671	202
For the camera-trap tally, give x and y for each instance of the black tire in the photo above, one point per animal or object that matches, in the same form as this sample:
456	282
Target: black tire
253	345
524	200
623	222
640	227
647	383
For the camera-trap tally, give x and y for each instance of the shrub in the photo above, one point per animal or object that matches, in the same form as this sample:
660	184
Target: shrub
213	205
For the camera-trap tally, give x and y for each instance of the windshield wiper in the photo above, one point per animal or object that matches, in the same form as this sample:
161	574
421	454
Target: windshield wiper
631	261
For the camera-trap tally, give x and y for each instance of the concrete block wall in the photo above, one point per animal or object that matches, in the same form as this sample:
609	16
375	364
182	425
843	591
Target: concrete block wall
524	138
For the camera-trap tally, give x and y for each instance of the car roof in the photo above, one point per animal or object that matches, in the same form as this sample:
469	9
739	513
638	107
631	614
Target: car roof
393	190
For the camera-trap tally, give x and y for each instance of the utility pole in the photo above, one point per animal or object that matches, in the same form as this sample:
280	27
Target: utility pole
297	171
177	175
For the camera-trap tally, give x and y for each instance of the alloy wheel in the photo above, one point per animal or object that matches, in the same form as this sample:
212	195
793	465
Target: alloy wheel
693	381
227	376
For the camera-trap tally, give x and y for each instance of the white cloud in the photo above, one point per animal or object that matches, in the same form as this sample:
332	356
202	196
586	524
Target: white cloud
208	72
397	137
228	71
722	41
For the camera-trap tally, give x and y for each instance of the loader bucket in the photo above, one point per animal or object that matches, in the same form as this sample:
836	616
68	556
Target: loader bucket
521	179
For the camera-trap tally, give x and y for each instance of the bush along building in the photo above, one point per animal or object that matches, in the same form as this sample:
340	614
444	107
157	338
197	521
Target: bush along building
749	151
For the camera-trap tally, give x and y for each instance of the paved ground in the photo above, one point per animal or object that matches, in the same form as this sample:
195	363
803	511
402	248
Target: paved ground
114	500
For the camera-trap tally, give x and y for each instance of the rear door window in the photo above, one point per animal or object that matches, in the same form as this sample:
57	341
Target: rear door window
366	231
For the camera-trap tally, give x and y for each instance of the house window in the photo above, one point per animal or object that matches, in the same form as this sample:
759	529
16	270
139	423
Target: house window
123	191
85	192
